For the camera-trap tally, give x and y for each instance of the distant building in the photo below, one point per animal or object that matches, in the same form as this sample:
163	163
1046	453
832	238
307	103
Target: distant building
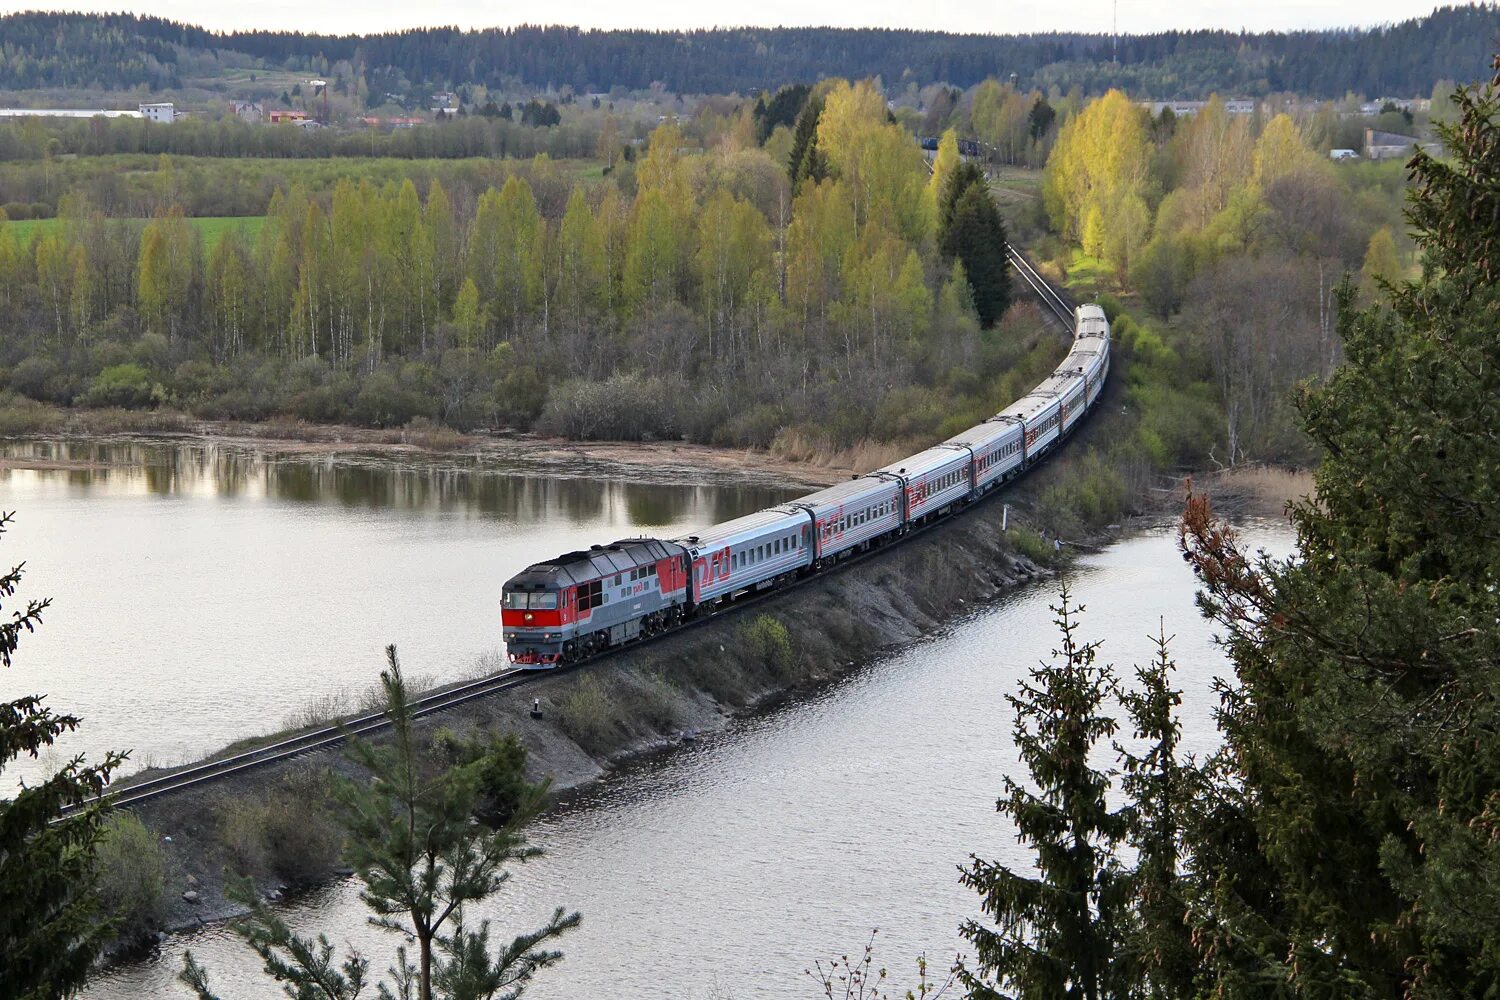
279	117
373	122
1186	109
1387	145
65	113
163	112
247	111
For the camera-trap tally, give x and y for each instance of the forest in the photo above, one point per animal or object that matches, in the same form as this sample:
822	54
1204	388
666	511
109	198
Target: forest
1231	239
774	273
698	294
121	52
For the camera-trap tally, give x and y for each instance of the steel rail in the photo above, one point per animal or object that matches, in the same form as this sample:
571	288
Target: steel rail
326	737
1059	306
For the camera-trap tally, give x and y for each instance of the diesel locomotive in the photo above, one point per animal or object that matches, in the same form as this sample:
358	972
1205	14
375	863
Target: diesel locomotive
579	604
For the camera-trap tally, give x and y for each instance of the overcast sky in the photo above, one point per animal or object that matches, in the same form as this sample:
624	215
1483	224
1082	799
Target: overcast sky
1013	16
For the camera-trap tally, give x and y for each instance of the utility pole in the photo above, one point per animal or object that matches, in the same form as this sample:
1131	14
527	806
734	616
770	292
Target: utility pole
1116	31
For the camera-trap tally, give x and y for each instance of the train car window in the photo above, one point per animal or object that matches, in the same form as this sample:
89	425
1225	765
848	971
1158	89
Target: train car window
590	595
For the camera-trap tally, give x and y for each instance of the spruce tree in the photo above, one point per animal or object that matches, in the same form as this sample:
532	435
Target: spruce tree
51	929
807	161
424	859
1362	738
966	175
975	235
1157	787
1058	933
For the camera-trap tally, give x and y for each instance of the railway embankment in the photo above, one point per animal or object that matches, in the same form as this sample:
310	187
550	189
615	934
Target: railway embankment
276	823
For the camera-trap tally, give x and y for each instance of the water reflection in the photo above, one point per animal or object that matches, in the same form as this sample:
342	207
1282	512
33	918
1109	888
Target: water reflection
450	483
206	592
727	867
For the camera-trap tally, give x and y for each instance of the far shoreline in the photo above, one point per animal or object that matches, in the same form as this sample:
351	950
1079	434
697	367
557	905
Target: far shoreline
645	460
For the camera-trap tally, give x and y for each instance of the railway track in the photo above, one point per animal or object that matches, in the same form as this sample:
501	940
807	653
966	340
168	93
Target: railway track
327	737
1056	304
310	742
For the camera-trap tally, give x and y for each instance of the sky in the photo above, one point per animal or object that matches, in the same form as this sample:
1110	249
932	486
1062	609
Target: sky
988	16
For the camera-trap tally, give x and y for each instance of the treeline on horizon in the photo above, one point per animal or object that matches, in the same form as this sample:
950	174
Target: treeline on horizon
124	51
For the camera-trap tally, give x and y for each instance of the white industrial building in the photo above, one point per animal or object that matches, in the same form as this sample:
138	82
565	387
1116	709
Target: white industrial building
164	112
66	113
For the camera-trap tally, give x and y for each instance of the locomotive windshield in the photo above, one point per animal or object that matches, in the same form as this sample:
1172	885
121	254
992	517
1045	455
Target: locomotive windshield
545	600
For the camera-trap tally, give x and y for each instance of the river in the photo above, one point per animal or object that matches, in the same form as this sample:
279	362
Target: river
725	868
203	593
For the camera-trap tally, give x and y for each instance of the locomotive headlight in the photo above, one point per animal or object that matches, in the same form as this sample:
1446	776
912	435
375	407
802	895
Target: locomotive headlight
529	617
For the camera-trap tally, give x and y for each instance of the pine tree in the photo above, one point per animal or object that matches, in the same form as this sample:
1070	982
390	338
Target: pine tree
424	859
1362	739
51	928
1056	934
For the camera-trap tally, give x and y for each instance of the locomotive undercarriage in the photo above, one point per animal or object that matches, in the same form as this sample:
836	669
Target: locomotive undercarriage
590	643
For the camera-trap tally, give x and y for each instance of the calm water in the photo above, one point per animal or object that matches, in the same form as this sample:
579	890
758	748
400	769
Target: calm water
203	593
726	868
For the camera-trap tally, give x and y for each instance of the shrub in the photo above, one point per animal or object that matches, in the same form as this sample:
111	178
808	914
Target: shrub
756	427
290	832
499	766
127	386
383	402
132	873
35	377
589	715
1030	544
622	407
649	700
19	415
768	644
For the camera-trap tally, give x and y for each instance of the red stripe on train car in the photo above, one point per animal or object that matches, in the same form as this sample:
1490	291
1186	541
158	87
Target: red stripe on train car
517	618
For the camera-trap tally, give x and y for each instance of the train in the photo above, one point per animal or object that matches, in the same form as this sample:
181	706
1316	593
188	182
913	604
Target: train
578	605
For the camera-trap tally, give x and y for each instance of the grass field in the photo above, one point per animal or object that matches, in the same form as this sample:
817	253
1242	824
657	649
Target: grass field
212	229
